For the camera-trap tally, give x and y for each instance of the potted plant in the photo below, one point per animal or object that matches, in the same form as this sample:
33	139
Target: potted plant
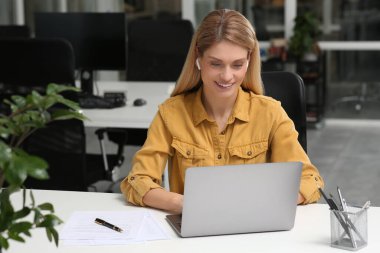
303	44
27	114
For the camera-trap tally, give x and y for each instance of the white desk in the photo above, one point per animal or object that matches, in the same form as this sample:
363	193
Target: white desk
129	116
310	234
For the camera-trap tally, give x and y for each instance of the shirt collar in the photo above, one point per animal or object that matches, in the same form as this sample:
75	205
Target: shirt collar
240	111
241	107
199	112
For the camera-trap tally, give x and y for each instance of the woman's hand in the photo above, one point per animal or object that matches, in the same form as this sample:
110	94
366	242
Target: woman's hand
162	199
300	199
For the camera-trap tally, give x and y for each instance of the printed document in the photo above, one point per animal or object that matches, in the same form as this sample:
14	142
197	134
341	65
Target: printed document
137	226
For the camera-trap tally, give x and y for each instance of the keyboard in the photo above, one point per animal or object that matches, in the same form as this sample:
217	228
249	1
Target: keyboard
97	102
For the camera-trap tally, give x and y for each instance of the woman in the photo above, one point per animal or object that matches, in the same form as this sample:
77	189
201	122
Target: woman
216	115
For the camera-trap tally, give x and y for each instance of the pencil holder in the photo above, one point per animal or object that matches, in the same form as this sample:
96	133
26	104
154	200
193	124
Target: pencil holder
349	228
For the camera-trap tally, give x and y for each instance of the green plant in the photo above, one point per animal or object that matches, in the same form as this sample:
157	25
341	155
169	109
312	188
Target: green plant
27	114
305	33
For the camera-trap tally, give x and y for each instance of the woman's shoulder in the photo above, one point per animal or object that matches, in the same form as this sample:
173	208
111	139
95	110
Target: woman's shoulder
178	102
262	99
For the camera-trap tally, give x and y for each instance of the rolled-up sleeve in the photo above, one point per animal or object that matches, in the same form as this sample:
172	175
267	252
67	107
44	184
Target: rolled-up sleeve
148	163
285	147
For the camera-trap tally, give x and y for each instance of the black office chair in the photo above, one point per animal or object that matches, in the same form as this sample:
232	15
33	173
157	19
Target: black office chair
14	31
31	64
157	49
289	89
63	145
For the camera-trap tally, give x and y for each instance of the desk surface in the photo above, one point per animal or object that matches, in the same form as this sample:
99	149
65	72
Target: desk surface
129	116
311	232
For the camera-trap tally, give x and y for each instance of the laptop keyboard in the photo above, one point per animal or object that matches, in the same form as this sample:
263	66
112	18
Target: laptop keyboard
175	220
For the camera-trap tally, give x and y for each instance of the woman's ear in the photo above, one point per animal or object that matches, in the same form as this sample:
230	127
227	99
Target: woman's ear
248	58
197	63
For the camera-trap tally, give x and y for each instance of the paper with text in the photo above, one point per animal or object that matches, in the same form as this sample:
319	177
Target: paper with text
138	226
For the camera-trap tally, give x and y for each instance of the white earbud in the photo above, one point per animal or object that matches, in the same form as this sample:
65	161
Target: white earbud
197	63
247	64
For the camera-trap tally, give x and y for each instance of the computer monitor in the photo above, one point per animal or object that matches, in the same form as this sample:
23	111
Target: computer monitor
98	40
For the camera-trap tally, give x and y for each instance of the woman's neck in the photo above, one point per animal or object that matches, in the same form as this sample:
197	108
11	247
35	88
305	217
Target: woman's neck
219	109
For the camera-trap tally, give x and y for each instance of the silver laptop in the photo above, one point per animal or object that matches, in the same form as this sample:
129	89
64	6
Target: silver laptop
238	199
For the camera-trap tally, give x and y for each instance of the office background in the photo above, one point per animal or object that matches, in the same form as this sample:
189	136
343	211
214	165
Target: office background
344	145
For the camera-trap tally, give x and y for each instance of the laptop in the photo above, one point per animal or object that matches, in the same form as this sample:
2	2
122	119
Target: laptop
235	199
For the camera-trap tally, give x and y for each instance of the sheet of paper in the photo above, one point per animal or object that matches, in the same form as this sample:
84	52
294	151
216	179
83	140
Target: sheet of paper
138	226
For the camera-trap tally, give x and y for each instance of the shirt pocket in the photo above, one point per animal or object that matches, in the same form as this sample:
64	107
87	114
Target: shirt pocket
255	152
189	155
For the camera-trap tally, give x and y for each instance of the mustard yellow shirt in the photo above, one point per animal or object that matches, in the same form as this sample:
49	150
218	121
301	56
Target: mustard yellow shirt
258	131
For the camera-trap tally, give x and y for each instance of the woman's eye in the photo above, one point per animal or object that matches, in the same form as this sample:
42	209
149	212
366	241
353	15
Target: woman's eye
215	64
238	66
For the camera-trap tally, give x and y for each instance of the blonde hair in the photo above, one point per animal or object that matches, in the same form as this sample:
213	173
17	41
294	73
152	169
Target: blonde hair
221	25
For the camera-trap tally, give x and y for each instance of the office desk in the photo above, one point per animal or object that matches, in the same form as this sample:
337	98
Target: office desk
310	234
129	116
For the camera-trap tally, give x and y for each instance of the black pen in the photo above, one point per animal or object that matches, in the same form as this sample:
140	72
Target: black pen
108	225
334	207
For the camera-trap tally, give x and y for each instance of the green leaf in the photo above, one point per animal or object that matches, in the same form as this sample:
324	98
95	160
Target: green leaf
36	98
52	234
50	220
71	104
49	234
21	213
4	242
22	164
34	166
5	153
18	100
16	237
38	216
67	114
13	188
55	88
20	227
15	173
27	233
55	235
6	209
46	206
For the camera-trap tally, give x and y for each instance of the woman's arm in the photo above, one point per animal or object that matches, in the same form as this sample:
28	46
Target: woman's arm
148	163
162	199
285	147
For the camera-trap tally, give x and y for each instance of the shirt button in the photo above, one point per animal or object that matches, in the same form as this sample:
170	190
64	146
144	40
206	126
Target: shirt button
220	156
249	153
132	178
188	152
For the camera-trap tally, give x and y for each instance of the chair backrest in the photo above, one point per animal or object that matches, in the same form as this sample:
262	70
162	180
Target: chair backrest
31	63
14	31
157	49
34	63
289	89
63	145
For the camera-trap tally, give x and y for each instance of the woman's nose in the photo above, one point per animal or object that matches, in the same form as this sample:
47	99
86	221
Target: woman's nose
227	74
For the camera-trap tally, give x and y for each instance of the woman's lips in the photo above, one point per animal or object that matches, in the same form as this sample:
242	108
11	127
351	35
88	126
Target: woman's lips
224	85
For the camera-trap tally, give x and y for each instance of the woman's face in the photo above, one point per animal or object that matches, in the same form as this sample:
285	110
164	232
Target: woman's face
223	68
